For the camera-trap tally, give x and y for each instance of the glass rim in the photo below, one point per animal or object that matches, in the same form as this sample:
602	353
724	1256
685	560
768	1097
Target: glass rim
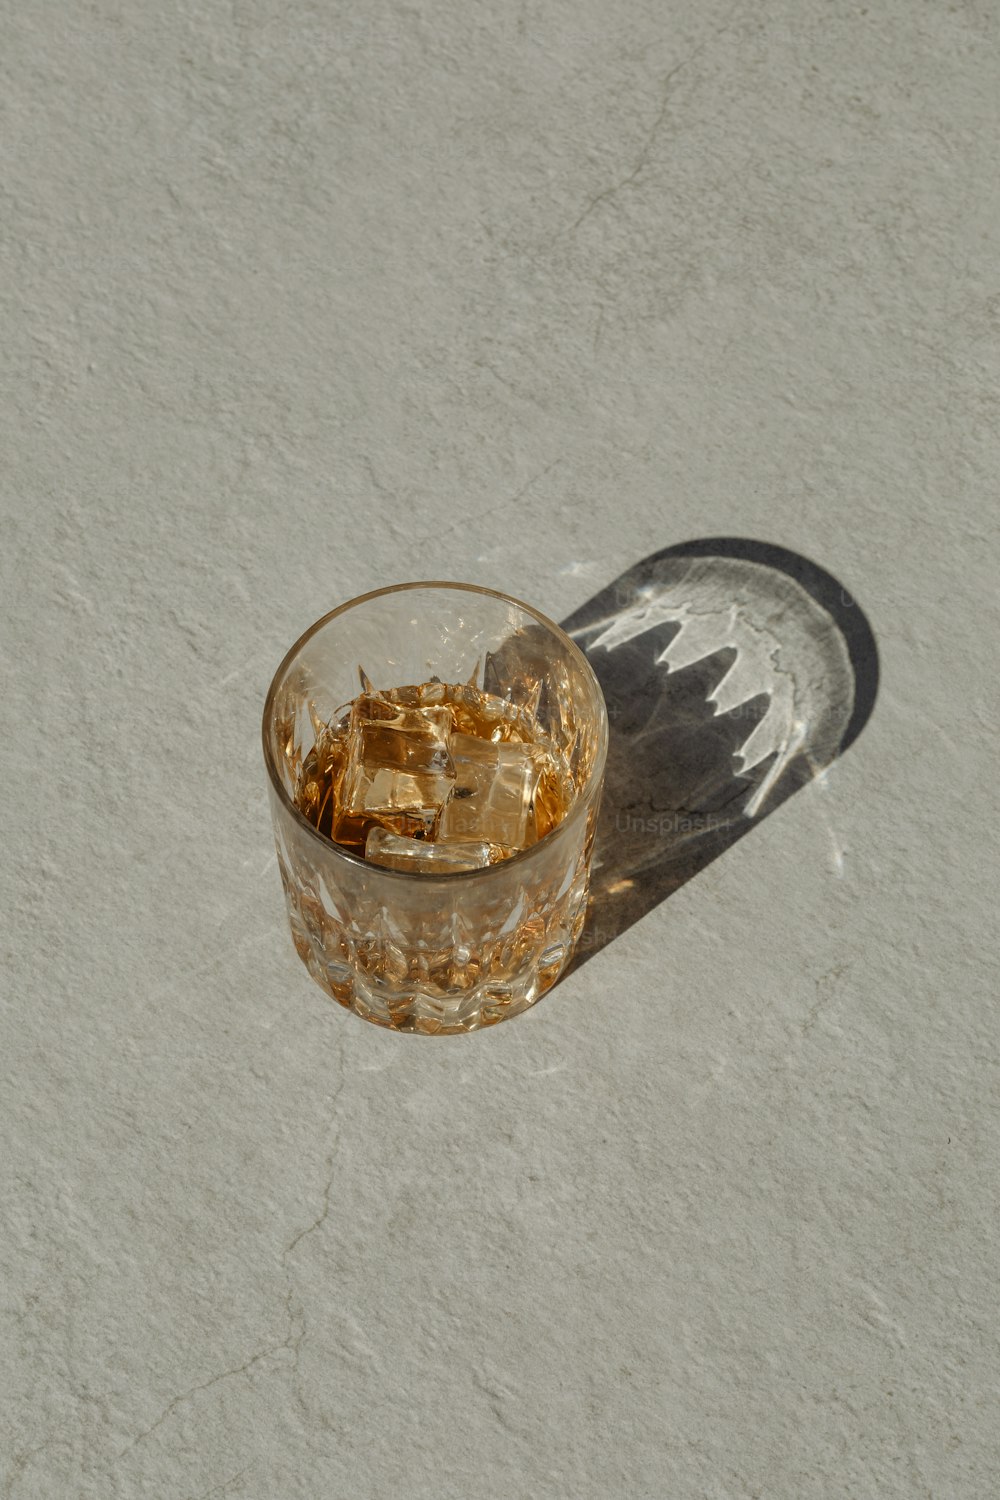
578	809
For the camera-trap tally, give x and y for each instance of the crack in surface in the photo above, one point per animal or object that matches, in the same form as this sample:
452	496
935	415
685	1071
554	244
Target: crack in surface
224	1487
320	1219
295	1314
324	1212
533	481
643	158
292	1342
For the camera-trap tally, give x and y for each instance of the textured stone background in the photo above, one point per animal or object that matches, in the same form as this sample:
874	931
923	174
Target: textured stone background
300	299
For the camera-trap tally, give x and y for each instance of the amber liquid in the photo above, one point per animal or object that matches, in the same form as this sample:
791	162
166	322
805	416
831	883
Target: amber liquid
486	717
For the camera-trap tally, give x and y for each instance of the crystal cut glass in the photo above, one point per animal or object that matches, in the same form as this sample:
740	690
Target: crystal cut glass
435	829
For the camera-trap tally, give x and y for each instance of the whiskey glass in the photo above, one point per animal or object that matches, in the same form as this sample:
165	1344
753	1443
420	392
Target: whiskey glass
419	952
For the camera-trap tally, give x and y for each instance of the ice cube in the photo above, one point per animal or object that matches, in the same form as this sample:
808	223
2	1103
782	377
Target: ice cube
398	853
525	673
554	796
419	695
493	791
399	766
319	793
506	678
489	717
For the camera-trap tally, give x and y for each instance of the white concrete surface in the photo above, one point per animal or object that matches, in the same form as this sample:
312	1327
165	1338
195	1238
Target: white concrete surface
300	299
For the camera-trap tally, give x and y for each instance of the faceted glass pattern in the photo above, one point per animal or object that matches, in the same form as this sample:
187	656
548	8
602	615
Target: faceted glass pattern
447	936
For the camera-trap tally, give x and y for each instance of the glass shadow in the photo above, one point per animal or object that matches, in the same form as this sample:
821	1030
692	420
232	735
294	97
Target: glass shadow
734	672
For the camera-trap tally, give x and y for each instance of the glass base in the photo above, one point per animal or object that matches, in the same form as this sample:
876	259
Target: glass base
475	993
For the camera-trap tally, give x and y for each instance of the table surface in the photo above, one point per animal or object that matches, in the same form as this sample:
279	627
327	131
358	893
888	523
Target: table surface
302	300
